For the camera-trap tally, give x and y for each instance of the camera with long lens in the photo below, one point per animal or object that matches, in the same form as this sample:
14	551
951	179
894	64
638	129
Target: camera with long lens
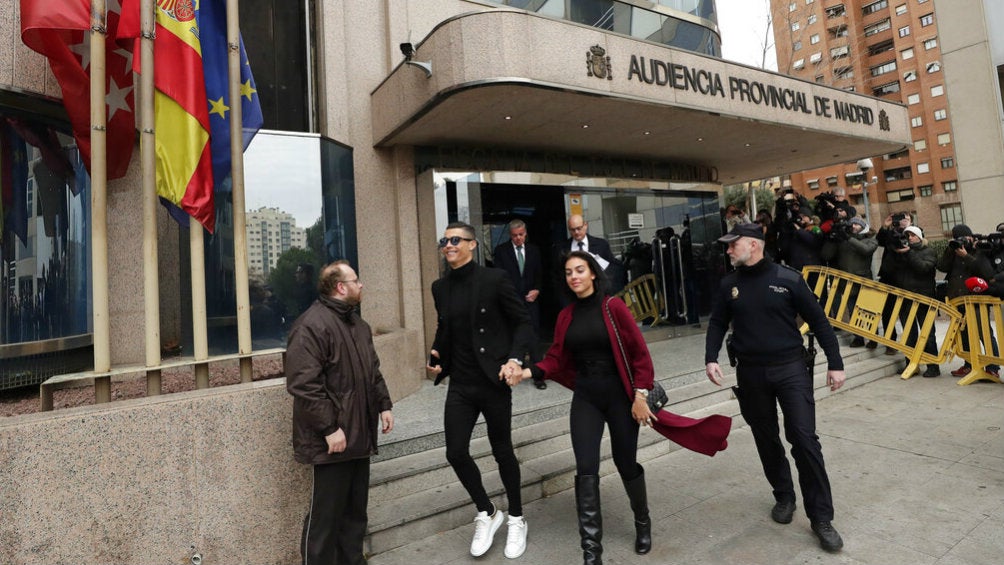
901	241
897	219
959	243
841	230
989	242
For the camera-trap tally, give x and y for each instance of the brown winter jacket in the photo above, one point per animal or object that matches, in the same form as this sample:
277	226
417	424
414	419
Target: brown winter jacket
333	373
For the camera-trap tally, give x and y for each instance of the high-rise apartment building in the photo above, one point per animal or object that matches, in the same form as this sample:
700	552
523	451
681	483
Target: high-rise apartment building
888	49
270	233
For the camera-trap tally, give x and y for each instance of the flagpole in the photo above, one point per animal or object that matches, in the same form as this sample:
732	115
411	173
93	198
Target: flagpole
99	203
237	193
200	338
148	156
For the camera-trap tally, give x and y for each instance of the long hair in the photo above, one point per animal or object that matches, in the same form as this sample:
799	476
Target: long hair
601	285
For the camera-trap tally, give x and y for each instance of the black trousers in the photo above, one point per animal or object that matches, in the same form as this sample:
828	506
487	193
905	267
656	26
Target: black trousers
599	400
464	402
334	527
759	392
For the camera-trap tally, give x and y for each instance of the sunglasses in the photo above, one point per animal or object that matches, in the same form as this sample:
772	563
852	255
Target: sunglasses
454	241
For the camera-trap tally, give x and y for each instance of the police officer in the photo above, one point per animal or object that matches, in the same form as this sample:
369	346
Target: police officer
761	299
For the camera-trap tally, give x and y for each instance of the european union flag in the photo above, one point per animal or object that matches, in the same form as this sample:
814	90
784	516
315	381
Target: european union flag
212	20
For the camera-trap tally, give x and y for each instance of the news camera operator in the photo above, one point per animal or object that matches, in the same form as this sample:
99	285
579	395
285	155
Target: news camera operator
849	247
797	244
915	265
993	244
832	206
961	261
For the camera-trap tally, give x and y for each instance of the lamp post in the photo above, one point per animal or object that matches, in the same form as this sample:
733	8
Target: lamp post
864	165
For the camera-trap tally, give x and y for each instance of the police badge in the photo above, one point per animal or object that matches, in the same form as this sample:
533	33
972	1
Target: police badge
598	64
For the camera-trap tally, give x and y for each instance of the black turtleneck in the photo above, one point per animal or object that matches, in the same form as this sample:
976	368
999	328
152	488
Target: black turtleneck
459	303
586	338
762	302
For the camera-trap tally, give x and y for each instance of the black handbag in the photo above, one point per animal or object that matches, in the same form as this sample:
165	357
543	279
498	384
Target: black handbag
657	397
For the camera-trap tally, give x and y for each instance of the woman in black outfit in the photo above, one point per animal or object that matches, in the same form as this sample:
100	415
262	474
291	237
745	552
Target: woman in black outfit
586	358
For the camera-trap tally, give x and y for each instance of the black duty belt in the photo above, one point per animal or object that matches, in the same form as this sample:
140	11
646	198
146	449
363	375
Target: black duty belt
789	361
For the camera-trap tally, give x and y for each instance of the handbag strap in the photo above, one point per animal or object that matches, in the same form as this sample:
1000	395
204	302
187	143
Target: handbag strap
620	344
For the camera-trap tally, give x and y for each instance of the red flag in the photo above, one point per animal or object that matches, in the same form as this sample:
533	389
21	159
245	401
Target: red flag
59	29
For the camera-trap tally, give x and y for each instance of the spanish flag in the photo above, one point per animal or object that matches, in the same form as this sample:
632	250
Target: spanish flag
184	165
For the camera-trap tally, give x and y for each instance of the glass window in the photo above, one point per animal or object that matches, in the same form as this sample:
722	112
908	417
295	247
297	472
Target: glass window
796	46
904	31
816	57
926	190
798	64
844	72
884	68
907	53
831	182
951	216
920	145
933	67
839	52
835	11
814	38
874	7
796	26
899	195
940	114
950	186
899	173
944	138
947	162
813	184
937	90
923	168
889	88
901	9
909	76
913	99
881	47
792	7
898	154
812	19
926	20
820	79
877	27
930	43
916	121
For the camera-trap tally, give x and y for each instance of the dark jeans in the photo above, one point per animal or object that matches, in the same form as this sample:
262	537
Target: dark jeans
600	399
464	402
759	391
993	339
931	346
334	527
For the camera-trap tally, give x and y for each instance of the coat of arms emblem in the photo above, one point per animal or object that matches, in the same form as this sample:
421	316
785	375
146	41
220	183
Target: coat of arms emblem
883	120
598	63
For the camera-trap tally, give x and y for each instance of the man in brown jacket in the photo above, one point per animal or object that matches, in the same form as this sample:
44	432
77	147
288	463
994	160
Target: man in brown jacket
339	395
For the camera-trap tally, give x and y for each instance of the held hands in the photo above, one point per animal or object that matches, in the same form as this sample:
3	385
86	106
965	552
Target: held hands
714	373
835	379
336	441
512	373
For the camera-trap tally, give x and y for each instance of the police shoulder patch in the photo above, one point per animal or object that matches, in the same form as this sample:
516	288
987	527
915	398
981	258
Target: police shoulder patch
787	273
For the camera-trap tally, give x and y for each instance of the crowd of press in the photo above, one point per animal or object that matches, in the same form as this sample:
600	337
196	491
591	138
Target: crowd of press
831	233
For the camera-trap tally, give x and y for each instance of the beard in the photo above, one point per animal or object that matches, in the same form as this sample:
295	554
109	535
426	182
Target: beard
741	259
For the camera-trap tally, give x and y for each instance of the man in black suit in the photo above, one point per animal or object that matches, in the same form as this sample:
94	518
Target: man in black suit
482	328
582	241
523	263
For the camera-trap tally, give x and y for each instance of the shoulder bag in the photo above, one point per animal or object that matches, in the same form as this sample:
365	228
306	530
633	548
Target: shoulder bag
657	397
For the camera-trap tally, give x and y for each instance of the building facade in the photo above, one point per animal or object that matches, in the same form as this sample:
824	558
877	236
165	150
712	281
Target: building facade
888	49
972	46
270	233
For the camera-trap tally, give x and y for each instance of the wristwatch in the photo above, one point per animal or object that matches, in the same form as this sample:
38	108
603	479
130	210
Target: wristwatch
516	361
642	391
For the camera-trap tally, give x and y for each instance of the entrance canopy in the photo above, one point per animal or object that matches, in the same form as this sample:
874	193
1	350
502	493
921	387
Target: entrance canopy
528	87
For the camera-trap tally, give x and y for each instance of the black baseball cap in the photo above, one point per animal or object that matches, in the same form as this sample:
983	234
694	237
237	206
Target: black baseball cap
742	230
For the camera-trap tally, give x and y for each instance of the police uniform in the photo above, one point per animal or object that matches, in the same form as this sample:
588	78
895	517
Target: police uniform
762	301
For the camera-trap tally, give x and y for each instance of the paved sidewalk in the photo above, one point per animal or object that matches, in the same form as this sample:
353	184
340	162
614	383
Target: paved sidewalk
916	466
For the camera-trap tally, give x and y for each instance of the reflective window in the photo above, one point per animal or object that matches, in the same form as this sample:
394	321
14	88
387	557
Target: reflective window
951	215
300	216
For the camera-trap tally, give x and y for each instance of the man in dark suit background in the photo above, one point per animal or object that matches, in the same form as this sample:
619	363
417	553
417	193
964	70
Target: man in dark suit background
523	263
481	327
597	247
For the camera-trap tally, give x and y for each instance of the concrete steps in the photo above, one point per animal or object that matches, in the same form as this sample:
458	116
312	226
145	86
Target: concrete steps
415	494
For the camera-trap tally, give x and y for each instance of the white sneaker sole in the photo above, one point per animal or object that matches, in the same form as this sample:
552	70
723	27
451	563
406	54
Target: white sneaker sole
491	535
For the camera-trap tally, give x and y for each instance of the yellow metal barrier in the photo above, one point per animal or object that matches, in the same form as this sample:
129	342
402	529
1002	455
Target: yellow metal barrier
642	300
863	318
982	315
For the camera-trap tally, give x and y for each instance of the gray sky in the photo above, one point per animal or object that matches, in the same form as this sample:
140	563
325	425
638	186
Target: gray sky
743	23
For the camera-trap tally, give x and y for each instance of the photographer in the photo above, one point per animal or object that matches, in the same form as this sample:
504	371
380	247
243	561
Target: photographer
797	245
849	247
832	205
915	264
891	238
993	244
961	261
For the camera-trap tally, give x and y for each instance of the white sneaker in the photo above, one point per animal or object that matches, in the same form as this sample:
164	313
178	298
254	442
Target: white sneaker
485	527
515	543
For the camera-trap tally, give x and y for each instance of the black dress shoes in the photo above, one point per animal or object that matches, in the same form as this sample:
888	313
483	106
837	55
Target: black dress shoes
541	384
829	539
783	511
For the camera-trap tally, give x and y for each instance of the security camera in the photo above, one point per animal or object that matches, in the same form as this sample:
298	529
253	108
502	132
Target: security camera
864	165
408	50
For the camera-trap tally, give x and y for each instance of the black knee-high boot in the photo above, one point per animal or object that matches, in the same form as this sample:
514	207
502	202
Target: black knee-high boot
639	505
587	500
